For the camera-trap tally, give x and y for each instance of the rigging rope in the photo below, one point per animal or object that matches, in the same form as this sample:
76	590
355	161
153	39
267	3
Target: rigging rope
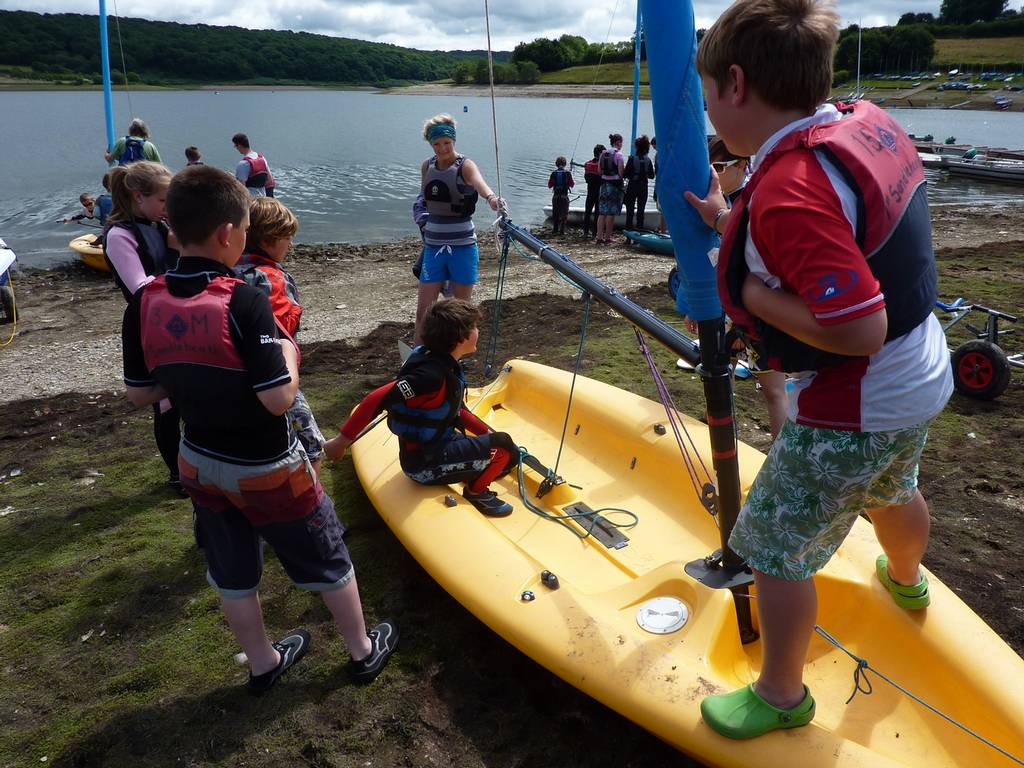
14	310
597	73
490	74
124	68
575	371
703	487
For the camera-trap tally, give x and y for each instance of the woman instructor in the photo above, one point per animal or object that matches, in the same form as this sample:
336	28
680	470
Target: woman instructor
451	184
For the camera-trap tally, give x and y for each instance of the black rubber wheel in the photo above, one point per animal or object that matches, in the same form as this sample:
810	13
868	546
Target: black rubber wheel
673	282
980	369
7	301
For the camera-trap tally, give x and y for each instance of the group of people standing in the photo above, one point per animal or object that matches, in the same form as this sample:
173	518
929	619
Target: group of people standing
612	181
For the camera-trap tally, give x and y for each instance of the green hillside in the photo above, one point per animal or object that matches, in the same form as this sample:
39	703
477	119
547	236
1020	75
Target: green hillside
65	47
610	73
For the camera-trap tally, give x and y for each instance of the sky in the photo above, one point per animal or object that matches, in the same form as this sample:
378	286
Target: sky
438	24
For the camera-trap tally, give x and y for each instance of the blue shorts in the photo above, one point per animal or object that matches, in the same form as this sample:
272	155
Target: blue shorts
457	263
310	549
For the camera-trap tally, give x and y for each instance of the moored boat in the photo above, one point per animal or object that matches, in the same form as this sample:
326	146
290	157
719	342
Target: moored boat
652	218
1007	171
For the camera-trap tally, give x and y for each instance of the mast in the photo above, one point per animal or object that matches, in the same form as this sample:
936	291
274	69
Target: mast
636	74
108	101
678	105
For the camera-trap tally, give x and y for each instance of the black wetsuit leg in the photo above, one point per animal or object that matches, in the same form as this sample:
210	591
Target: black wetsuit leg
641	204
167	431
589	221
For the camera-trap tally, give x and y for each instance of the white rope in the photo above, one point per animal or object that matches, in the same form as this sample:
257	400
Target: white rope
502	204
597	73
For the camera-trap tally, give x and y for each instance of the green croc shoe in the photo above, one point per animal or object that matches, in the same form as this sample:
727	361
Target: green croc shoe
743	714
910	596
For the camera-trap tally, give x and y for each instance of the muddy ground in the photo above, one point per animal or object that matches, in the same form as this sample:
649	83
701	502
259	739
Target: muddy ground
460	696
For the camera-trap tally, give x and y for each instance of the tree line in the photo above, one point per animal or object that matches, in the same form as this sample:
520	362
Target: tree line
57	45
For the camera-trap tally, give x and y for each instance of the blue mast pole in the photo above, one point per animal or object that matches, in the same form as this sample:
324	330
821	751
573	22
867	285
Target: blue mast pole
108	100
636	75
678	105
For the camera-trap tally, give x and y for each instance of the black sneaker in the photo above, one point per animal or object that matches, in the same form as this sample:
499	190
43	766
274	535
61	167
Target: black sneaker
488	503
174	483
292	648
383	641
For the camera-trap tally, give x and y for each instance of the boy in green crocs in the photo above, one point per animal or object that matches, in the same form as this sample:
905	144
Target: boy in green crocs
826	267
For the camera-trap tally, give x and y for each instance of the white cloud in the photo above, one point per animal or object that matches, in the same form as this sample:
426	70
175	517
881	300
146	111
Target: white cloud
445	25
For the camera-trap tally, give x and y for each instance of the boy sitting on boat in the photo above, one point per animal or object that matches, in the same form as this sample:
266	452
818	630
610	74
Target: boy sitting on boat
826	266
426	411
271	229
210	342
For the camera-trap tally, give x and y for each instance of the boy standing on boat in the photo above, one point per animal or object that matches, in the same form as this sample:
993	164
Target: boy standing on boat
826	265
426	411
208	340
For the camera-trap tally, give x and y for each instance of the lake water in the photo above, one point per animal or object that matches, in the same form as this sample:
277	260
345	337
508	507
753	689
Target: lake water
348	162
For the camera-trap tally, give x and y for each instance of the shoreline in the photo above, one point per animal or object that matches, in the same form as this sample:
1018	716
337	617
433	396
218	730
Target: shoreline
68	336
913	99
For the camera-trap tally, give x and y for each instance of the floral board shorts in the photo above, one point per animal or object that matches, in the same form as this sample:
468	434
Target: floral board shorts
610	201
813	486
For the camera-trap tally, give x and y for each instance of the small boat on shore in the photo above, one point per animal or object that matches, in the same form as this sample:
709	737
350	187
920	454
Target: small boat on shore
653	242
90	252
959	150
1007	171
652	218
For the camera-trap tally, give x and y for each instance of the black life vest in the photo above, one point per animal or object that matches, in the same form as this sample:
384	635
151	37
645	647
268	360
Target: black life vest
639	169
609	166
445	191
151	243
420	430
560	185
881	165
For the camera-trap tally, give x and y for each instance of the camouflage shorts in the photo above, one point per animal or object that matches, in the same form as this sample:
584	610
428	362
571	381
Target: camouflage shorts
811	489
300	416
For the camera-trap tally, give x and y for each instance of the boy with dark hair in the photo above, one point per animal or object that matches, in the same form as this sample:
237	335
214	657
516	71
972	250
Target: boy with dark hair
209	341
826	265
560	182
592	176
252	170
426	412
193	156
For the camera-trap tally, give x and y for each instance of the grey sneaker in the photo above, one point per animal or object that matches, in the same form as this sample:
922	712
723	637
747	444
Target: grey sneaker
383	641
292	648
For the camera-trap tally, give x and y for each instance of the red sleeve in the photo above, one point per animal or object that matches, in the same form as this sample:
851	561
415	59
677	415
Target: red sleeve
370	406
551	181
472	423
799	228
572	181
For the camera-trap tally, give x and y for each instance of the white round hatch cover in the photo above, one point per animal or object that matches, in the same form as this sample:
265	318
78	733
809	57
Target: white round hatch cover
662	615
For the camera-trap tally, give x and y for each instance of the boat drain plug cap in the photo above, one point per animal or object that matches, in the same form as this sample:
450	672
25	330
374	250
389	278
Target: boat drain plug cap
662	615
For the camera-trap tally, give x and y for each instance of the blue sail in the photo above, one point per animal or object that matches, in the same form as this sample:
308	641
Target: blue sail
678	105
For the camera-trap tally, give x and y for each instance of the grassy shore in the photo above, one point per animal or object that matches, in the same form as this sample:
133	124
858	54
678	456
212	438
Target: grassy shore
114	651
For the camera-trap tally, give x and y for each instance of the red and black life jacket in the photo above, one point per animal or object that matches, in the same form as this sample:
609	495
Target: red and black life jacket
882	168
267	275
259	173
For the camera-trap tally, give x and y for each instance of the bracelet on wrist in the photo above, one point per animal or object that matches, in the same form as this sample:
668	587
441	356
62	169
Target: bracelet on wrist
714	223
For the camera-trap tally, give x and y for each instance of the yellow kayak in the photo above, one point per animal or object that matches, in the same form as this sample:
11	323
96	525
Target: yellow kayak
627	626
89	252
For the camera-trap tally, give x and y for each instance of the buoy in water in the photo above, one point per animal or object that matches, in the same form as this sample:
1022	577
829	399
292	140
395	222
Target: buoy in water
465	107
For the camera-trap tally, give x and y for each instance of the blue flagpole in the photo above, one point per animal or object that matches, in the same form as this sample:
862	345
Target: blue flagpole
108	99
636	76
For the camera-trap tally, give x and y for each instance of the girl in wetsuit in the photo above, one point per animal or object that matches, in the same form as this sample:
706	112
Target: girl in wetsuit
138	246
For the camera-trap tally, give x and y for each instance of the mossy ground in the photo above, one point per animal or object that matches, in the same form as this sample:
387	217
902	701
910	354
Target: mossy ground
113	651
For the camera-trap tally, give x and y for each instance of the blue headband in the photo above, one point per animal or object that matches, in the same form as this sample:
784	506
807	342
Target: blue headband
441	130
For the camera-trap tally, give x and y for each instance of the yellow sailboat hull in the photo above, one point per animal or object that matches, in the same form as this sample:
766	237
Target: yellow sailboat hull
587	632
90	253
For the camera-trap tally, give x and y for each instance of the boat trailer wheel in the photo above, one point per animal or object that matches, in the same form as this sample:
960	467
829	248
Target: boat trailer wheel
980	370
673	282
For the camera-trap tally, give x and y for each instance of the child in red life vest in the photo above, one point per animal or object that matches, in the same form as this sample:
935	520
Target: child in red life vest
271	229
826	265
209	341
426	411
560	182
